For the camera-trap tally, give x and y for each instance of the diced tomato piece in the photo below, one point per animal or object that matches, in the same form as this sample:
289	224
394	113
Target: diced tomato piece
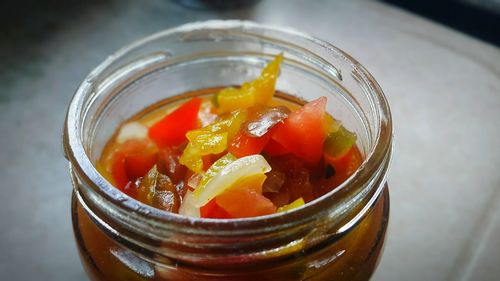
244	145
131	160
303	132
206	210
207	161
214	211
273	148
137	165
172	129
220	213
345	165
118	170
245	202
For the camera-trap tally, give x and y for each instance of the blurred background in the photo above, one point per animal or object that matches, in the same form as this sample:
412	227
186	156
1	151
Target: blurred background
437	61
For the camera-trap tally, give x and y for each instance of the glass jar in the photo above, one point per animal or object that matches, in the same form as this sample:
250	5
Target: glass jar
338	236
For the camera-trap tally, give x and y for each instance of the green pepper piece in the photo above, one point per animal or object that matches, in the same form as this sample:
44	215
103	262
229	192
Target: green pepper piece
339	142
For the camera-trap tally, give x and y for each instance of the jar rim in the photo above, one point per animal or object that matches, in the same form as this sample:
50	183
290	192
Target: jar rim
80	161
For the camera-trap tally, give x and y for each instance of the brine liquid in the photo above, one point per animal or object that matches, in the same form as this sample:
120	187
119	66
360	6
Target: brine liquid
353	257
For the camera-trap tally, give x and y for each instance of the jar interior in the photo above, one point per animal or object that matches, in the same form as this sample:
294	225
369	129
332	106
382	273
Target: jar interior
211	55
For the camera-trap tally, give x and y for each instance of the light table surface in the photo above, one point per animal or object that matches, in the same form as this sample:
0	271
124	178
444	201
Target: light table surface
443	88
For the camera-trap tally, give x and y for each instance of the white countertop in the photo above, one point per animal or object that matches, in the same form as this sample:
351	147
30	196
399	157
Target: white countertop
443	88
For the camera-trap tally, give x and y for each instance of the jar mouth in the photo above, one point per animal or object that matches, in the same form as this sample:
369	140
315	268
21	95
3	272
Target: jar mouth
375	164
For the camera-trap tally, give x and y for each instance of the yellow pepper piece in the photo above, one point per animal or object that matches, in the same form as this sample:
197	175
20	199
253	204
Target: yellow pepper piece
264	85
211	139
230	99
295	204
204	143
258	91
191	158
209	142
232	124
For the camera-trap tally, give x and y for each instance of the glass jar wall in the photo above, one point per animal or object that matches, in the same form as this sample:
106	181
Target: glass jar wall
337	236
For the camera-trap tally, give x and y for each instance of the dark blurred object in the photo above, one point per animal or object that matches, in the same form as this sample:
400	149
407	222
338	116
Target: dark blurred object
478	18
216	4
489	5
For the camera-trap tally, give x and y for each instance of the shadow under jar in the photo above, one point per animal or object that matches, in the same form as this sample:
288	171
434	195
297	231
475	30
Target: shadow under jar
338	236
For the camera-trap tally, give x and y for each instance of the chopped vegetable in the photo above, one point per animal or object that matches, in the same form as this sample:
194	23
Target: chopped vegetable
274	148
211	139
258	91
254	182
229	175
230	99
264	85
187	207
131	131
172	129
244	145
274	181
331	124
132	159
193	180
192	157
295	204
339	142
132	187
157	190
245	202
214	211
345	165
206	114
214	170
236	154
208	160
264	119
280	198
299	179
246	192
168	164
303	131
118	170
137	165
257	131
